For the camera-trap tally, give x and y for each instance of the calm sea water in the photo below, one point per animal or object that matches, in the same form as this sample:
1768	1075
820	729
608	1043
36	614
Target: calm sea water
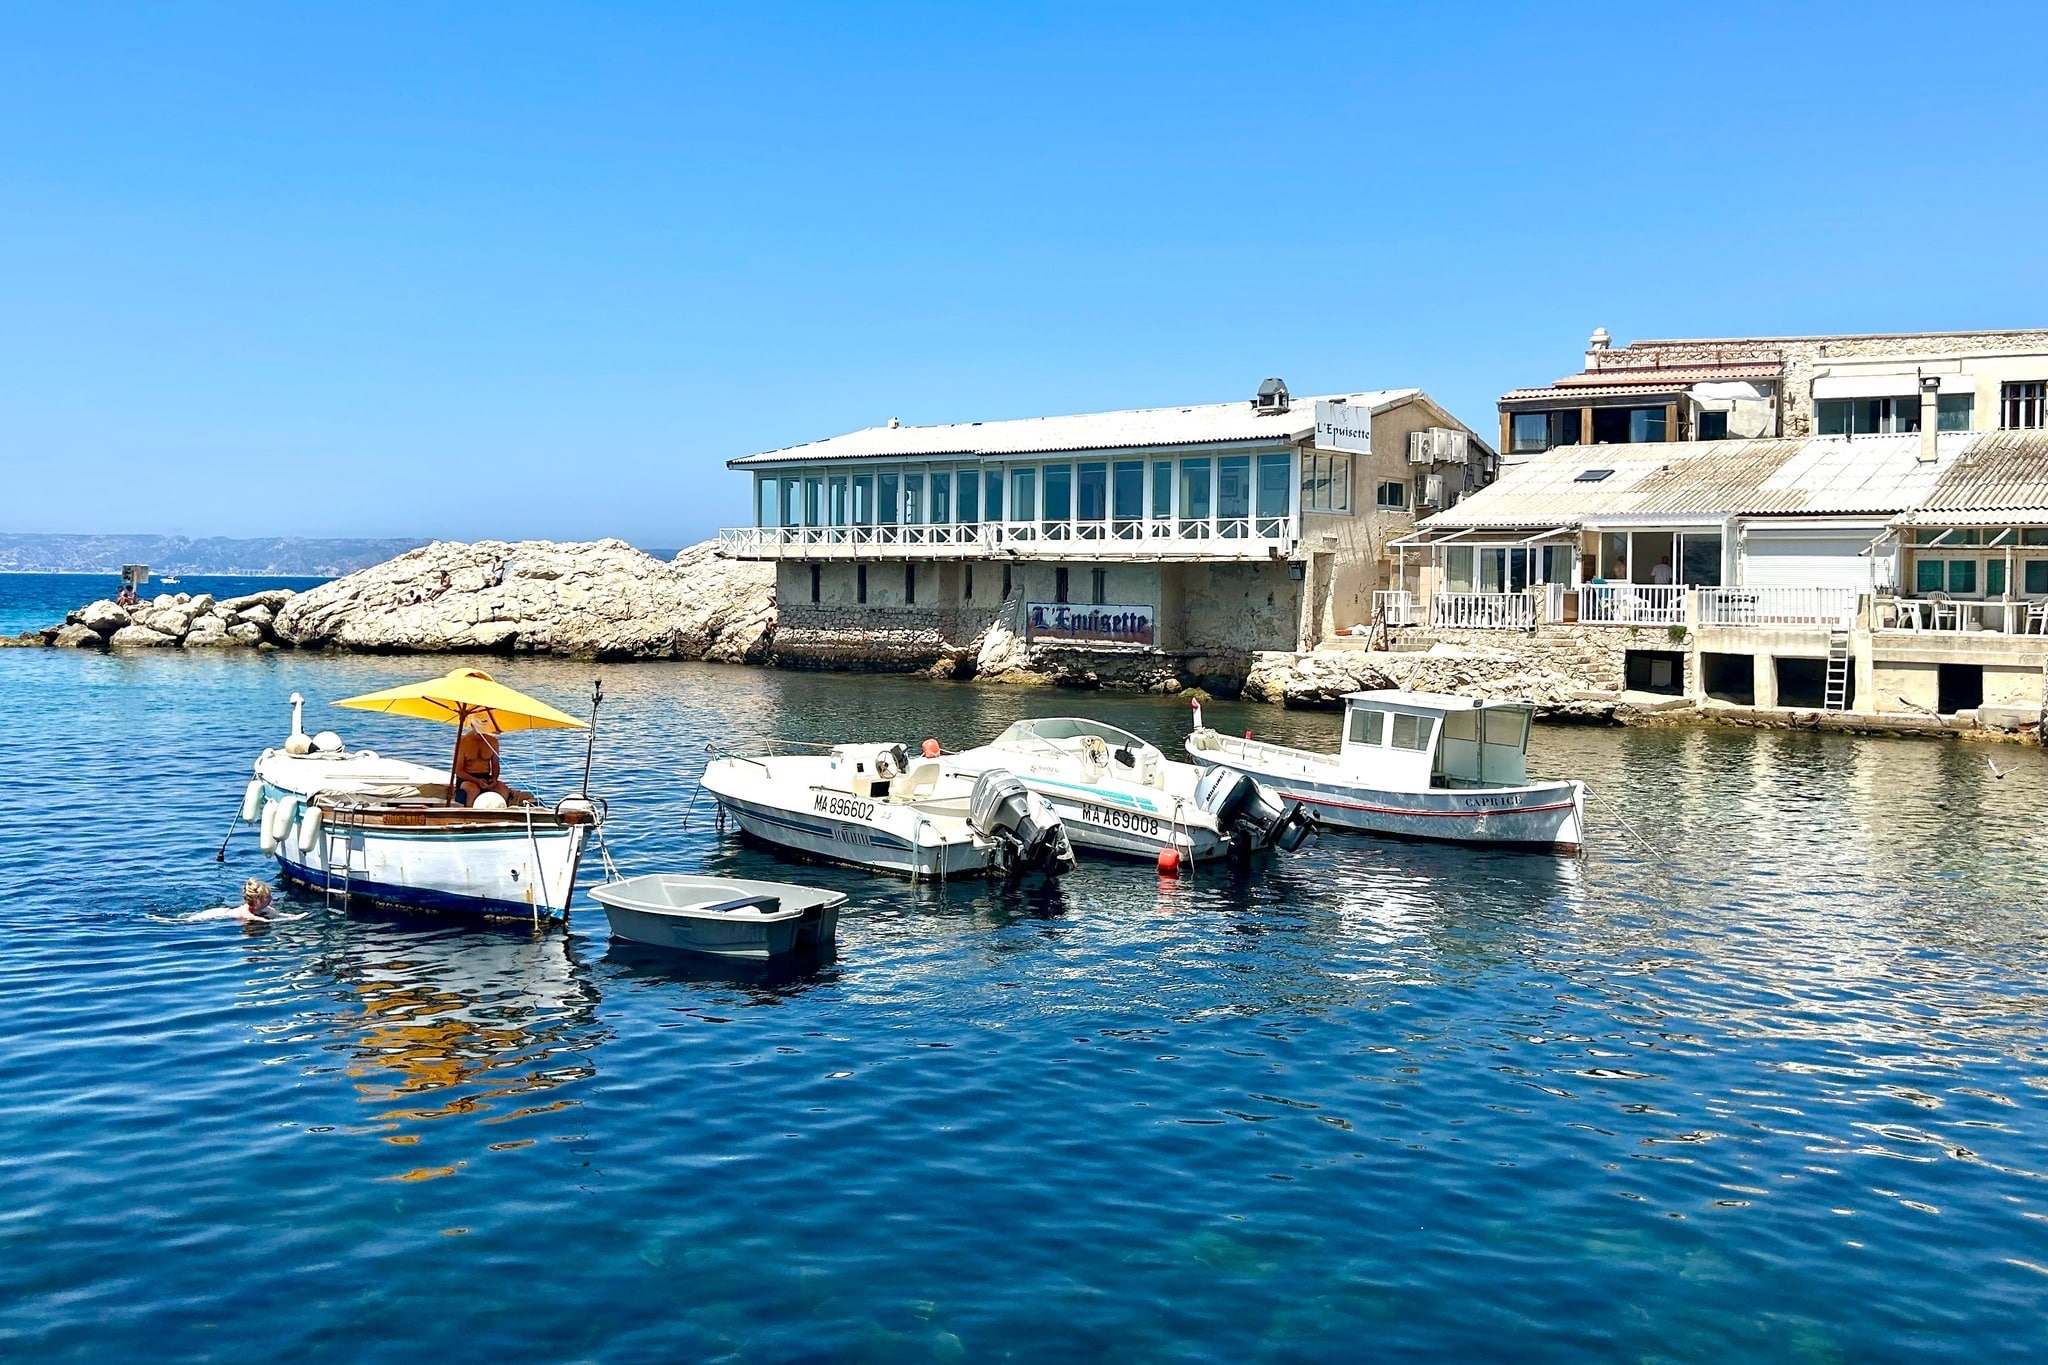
1763	1079
31	601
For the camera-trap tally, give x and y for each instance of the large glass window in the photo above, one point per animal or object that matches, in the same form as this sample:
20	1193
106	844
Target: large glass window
764	503
969	485
887	501
913	500
1274	477
1867	416
1194	497
792	510
1458	568
1234	491
1391	497
1127	493
863	500
1091	492
1023	495
1412	732
1613	564
1059	492
814	501
2023	406
942	498
1529	431
1367	727
1962	575
993	486
1953	411
1628	426
1325	482
1162	489
2034	576
1994	578
1927	576
1699	561
835	492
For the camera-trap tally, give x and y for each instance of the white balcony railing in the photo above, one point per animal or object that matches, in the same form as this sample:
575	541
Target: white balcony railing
1992	617
1398	608
1632	604
1777	606
1148	538
1483	610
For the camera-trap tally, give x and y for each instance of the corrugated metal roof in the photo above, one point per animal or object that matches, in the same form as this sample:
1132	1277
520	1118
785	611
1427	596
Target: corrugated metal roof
1138	428
1569	398
2003	471
1814	476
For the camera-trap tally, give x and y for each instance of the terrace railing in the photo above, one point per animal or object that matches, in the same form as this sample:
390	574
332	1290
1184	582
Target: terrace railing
1632	604
1777	606
1155	537
1483	610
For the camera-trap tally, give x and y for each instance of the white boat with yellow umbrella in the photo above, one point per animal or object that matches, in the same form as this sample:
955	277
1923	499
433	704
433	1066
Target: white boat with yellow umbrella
353	824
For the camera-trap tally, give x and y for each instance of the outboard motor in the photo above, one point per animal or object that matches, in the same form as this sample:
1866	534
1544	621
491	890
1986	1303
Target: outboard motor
1024	826
1251	816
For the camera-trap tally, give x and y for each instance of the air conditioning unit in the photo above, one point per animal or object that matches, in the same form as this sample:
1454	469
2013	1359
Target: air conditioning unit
1433	491
1448	445
1419	447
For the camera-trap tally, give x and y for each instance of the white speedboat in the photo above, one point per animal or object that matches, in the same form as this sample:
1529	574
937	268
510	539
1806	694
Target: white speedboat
723	916
873	806
352	824
1420	765
1119	794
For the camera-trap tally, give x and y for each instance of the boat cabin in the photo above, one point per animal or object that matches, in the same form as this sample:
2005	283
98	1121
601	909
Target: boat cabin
1419	740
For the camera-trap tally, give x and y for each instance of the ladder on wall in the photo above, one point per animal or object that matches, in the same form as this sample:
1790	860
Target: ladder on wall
1835	695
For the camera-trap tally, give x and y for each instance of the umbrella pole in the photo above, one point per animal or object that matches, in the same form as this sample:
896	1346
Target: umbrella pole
454	785
590	741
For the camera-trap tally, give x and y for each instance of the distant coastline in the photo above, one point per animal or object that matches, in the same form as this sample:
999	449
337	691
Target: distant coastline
250	557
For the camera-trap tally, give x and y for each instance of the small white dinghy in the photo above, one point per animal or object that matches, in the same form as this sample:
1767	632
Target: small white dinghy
1118	794
872	806
724	916
1421	765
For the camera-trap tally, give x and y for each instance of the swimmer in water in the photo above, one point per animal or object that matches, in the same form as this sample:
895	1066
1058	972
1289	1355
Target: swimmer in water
254	909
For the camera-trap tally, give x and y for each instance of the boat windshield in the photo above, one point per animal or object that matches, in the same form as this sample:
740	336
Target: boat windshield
1058	728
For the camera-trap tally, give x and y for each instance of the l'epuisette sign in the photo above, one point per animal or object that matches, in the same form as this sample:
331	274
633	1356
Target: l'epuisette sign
1343	426
1107	623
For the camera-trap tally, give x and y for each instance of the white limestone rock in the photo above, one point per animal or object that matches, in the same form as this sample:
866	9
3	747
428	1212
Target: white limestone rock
104	616
601	599
77	637
141	637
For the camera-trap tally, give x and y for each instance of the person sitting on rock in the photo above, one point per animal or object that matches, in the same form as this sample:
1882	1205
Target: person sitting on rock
442	586
476	768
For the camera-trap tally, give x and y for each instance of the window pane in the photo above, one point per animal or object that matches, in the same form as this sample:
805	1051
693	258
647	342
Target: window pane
1530	430
1831	417
1713	426
1366	726
791	510
863	500
1274	473
1994	578
1234	486
1340	483
1194	490
970	496
1506	727
886	504
1700	561
836	494
1059	492
1024	495
1927	576
1128	495
814	502
942	498
1091	486
2037	575
993	486
1162	489
1962	575
1462	725
1645	424
1955	411
764	502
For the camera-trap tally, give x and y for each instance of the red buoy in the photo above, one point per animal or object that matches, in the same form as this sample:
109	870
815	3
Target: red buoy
931	748
1169	862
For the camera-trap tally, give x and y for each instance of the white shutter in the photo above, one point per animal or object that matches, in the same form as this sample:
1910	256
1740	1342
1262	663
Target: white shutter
1807	559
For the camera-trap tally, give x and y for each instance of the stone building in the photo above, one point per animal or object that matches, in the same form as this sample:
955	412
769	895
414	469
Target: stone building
1147	543
1716	388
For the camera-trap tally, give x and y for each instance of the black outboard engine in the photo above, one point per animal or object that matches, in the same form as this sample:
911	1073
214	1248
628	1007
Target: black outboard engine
1250	815
1024	826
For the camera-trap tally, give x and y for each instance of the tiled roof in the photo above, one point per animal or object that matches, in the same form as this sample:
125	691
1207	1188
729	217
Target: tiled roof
1139	428
1634	380
1812	476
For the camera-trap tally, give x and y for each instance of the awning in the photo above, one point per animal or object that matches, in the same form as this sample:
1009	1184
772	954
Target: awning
1904	385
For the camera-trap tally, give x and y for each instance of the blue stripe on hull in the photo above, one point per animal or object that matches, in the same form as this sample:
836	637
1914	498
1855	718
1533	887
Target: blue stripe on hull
418	898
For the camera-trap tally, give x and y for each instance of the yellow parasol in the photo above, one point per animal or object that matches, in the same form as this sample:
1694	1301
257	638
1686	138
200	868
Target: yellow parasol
466	698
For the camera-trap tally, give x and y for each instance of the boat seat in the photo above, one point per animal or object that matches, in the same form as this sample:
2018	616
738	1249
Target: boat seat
917	784
769	903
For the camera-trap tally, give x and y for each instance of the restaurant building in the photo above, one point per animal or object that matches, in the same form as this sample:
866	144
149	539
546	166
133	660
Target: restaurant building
1181	539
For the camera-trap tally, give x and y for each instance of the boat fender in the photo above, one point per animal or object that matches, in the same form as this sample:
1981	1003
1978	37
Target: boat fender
1196	702
252	800
265	842
930	748
281	815
309	829
1169	862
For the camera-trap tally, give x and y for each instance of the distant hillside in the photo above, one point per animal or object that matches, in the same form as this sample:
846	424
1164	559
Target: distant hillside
279	555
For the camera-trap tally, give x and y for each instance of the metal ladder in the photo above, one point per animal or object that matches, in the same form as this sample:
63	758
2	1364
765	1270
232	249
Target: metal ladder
334	831
1835	696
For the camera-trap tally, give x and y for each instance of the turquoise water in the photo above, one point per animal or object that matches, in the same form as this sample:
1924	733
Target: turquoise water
1773	1090
31	601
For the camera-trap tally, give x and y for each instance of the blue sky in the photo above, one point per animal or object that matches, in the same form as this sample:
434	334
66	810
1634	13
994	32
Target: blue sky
541	269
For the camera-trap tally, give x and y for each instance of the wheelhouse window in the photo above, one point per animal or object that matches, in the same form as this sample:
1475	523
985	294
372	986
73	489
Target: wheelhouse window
1367	726
2023	406
1412	732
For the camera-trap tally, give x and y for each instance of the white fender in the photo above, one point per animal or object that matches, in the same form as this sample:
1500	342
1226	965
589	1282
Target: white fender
266	840
252	800
309	829
281	815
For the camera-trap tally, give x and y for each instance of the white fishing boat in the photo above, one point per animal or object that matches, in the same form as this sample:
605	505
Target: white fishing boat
352	824
873	806
1421	765
1119	794
722	916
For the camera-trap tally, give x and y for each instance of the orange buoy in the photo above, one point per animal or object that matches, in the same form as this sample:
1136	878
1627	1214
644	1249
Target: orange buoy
1169	862
1247	734
931	748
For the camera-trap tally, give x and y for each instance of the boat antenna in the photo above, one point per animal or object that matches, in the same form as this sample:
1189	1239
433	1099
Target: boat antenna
590	742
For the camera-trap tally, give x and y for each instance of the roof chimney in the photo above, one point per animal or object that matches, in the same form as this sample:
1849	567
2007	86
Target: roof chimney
1596	347
1930	415
1272	396
895	422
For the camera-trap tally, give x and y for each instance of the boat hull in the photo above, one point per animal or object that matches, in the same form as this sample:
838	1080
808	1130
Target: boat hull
1546	815
865	836
507	870
1131	827
805	921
